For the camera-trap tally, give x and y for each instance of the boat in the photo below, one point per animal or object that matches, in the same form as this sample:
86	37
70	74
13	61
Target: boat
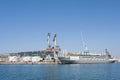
86	59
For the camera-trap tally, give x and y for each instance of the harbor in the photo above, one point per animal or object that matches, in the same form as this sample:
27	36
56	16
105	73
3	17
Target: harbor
53	55
47	56
59	40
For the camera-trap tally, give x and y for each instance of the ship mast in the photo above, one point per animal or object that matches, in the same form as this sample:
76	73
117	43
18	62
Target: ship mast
84	45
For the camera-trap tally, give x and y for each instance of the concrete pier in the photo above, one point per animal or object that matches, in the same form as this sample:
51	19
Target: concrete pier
25	63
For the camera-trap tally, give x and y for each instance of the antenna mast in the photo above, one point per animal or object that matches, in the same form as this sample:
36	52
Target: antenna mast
84	44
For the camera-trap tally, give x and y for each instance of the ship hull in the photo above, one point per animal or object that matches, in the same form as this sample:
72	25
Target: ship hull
65	60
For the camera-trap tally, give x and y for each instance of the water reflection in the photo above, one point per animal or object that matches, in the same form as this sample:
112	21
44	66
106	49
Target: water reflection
60	72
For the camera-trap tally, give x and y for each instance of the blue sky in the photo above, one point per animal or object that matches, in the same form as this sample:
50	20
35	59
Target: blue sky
24	24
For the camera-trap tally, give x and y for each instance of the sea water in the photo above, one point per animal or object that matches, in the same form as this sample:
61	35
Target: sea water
61	72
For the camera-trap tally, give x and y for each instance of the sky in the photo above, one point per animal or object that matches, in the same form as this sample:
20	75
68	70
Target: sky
24	25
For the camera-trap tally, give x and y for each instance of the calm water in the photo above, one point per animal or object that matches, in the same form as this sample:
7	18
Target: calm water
61	72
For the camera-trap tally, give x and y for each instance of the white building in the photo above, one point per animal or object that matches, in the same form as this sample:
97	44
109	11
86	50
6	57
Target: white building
36	59
27	59
13	58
